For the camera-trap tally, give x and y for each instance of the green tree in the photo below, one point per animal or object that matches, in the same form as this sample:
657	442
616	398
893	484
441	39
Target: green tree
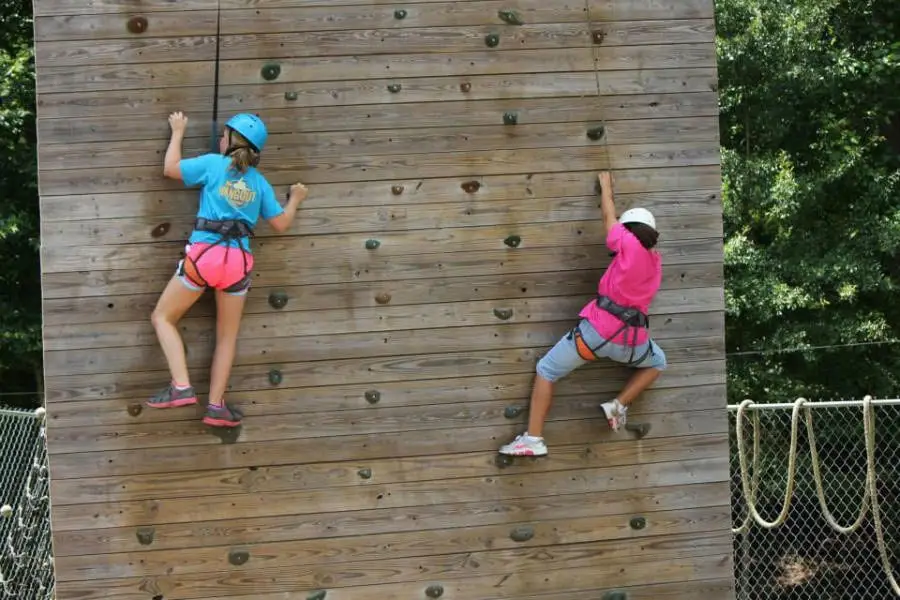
810	129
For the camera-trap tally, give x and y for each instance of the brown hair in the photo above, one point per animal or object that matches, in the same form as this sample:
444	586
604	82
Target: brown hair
646	235
243	155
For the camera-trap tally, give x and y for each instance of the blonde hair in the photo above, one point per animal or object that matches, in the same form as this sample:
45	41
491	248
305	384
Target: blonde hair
243	156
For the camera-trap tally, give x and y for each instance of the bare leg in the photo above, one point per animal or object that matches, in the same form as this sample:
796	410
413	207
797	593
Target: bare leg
174	302
229	310
637	383
541	400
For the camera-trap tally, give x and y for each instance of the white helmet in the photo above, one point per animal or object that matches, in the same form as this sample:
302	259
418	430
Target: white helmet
638	215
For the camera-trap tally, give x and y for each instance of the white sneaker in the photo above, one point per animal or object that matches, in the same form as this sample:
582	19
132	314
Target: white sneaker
616	414
525	445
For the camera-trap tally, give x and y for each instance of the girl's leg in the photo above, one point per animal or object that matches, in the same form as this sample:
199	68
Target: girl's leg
174	302
637	383
229	310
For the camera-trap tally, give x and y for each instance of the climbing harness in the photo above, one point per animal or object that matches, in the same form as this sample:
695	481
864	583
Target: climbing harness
750	485
630	317
229	230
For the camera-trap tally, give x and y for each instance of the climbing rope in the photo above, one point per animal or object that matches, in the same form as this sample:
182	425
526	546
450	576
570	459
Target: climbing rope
750	485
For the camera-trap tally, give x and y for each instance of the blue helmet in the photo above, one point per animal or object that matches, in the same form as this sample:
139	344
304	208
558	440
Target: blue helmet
251	127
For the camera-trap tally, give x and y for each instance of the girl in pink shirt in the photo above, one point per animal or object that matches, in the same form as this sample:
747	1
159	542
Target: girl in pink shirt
613	325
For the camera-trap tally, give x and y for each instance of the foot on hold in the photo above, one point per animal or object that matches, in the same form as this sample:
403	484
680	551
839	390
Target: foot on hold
173	396
616	414
525	445
222	415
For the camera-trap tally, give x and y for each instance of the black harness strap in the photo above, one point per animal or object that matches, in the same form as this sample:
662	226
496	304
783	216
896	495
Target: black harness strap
630	317
228	230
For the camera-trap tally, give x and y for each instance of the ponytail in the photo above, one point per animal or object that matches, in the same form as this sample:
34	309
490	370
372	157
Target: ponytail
243	155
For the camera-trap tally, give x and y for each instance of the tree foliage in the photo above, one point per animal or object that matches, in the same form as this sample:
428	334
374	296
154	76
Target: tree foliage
810	130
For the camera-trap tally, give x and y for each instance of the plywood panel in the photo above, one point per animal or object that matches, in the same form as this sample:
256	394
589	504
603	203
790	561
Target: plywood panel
323	488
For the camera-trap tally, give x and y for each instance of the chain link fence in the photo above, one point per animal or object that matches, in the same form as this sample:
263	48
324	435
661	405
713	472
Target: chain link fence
805	557
26	556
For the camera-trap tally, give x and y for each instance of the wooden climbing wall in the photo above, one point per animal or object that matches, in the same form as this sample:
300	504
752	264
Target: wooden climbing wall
450	237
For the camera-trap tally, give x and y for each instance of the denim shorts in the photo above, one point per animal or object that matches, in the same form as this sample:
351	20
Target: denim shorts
563	358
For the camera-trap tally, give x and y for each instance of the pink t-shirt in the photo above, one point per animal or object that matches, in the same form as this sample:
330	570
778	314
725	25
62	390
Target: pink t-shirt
632	279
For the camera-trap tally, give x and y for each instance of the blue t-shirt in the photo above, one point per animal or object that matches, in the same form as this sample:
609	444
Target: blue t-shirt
228	194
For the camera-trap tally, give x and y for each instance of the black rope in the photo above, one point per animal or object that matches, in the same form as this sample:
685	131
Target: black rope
215	115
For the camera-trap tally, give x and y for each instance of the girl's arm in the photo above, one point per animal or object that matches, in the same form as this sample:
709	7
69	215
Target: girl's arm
607	206
178	123
282	222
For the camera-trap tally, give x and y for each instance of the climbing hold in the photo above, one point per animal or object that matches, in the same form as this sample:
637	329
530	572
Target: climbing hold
397	190
470	187
394	88
137	24
491	40
503	460
278	299
271	71
637	523
275	377
522	534
161	230
465	86
511	412
383	298
615	595
227	435
365	473
238	557
510	118
145	535
290	95
511	17
373	396
434	591
598	188
595	133
400	14
639	429
317	595
513	241
135	409
503	313
372	244
598	36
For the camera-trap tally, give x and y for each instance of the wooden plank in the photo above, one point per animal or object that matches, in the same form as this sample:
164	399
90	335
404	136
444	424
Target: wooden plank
552	532
474	574
93	7
610	10
709	589
350	92
105	53
515	387
281	147
96	28
633	186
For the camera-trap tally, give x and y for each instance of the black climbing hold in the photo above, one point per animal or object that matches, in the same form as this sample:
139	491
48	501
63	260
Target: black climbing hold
511	412
598	36
513	241
365	473
522	534
383	298
470	187
615	595
317	595
271	71
135	409
510	118
400	14
491	40
595	133
161	230
290	95
394	88
227	435
639	429
465	86
637	523
373	396
159	597
372	244
397	190
145	535
238	557
503	460
434	591
503	313
275	377
137	24
278	299
511	17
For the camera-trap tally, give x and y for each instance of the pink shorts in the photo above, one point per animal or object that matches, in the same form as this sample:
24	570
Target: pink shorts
216	266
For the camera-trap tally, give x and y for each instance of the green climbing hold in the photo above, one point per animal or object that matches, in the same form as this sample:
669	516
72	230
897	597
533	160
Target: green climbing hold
510	118
615	595
238	557
434	591
145	535
394	88
522	534
511	412
638	523
595	133
511	17
275	377
491	40
513	241
373	396
639	429
290	95
278	299
372	244
271	71
317	595
400	14
503	313
365	473
503	460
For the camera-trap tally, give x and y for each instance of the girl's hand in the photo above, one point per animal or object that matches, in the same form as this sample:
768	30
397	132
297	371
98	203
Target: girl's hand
298	191
605	179
178	122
